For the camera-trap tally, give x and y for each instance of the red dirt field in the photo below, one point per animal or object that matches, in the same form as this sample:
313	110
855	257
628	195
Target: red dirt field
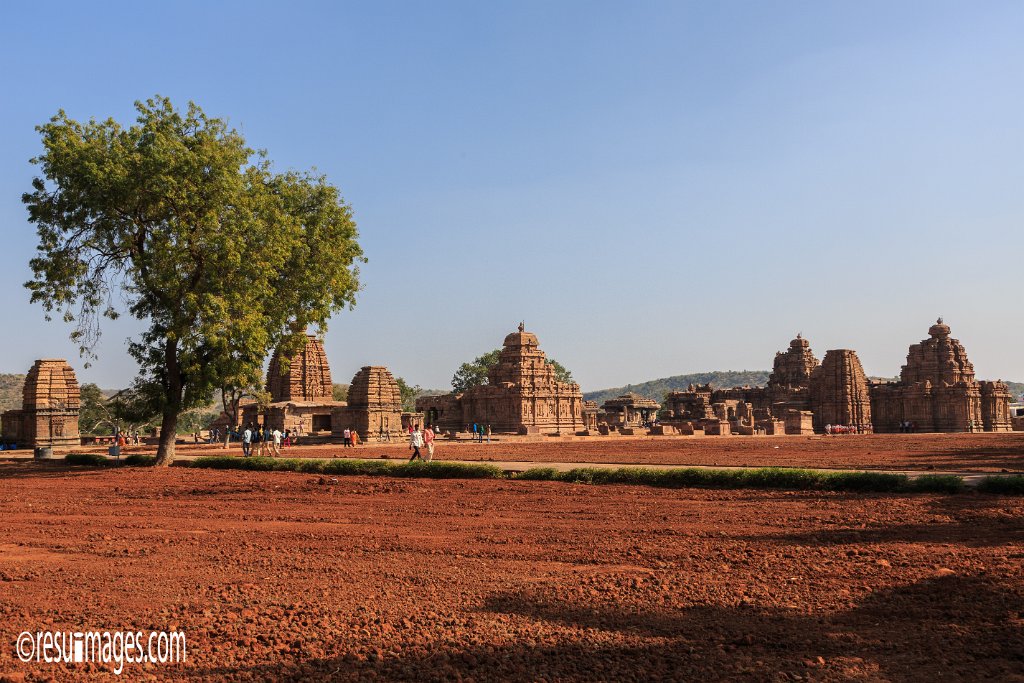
962	452
290	576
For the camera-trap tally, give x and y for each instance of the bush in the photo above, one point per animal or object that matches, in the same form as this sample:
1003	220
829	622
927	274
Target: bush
937	483
539	474
87	459
431	470
1012	485
138	460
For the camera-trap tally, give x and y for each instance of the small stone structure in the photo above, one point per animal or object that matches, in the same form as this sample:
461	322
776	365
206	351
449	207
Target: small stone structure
521	395
374	405
839	393
49	412
630	410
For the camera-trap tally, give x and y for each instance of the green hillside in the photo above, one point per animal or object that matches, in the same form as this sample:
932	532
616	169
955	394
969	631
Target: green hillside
657	388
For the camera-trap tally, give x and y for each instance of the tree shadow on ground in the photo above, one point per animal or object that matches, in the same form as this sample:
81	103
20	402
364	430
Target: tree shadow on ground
975	523
967	628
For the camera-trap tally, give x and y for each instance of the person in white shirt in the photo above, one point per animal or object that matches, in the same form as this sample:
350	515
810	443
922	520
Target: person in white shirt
276	443
247	441
416	443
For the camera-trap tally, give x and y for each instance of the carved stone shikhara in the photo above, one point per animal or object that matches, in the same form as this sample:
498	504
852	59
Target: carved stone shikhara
374	404
937	391
521	396
301	392
50	405
839	392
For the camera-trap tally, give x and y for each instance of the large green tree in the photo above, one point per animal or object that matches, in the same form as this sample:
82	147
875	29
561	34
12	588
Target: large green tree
475	373
175	220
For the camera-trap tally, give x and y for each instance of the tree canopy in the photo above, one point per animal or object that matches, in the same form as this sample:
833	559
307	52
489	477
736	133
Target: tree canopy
176	221
475	373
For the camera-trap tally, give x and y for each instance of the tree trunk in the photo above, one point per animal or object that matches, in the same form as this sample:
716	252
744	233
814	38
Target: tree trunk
172	406
168	437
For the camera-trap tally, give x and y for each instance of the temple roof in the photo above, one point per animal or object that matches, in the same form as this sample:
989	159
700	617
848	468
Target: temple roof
632	400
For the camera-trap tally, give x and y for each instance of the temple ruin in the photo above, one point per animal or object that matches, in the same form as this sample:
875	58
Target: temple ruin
629	411
839	392
49	412
302	398
521	396
374	406
937	391
301	392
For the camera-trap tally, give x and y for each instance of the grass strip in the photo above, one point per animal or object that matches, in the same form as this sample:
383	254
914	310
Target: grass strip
778	478
1012	485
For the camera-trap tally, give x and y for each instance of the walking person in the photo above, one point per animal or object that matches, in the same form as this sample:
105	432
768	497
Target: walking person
428	440
488	433
258	437
355	438
247	441
276	443
346	437
416	443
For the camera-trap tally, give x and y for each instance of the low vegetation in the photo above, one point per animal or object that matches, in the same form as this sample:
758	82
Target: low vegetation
780	478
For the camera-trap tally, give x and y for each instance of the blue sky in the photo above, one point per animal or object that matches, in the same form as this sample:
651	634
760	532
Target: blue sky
655	188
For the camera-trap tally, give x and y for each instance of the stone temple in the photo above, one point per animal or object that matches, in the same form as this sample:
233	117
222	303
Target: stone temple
936	392
49	410
521	396
302	393
374	405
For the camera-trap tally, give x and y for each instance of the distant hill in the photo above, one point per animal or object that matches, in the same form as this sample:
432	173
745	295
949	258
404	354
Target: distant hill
10	391
657	388
720	379
1016	390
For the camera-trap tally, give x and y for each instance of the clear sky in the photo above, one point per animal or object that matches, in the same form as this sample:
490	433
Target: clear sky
655	188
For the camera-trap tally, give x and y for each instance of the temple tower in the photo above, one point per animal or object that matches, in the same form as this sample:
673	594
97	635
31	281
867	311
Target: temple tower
308	377
839	393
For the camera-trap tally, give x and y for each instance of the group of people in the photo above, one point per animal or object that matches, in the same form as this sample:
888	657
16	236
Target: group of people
419	439
127	438
848	429
908	427
257	439
479	432
350	438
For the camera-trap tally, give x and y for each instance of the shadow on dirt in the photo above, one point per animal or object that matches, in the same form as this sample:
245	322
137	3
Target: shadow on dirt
966	628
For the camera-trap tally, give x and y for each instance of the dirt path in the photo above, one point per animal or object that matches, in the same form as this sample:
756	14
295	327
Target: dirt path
277	575
945	452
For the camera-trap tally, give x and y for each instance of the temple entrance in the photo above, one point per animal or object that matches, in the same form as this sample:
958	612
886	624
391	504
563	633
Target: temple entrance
321	423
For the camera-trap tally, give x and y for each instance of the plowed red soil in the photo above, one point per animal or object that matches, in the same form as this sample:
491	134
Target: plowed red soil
290	576
977	452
